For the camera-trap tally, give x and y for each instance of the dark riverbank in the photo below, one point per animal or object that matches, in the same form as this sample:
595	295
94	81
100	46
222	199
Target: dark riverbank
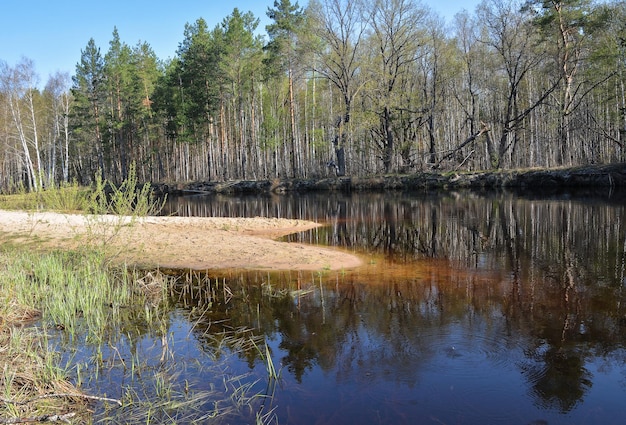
584	177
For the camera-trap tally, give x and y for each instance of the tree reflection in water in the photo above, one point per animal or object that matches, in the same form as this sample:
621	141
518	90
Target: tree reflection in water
459	287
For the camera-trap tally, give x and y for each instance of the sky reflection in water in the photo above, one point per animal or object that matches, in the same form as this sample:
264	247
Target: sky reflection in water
471	310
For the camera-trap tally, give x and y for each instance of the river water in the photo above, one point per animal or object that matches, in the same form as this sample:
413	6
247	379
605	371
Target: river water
472	308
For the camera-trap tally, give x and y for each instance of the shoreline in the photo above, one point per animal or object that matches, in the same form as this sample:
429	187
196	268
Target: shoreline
179	242
521	181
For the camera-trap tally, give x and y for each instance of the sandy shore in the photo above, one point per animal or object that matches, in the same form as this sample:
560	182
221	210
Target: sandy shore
179	242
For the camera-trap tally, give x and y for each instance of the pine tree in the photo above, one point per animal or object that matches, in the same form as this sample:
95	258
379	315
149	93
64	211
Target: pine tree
89	92
282	50
241	67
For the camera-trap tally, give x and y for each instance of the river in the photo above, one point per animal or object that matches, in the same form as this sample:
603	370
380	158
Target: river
472	308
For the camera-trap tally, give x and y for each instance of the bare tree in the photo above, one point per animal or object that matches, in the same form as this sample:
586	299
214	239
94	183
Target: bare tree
396	31
467	93
511	36
340	26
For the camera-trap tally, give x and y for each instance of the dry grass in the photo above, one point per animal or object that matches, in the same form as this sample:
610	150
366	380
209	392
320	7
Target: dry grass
152	285
15	314
33	387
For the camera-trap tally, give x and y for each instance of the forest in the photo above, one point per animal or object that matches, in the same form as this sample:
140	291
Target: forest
330	88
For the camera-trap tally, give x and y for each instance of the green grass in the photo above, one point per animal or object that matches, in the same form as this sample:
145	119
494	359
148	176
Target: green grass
68	197
78	292
87	301
127	199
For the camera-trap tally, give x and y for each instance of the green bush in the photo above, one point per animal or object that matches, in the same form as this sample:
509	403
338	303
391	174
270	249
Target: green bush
127	199
68	197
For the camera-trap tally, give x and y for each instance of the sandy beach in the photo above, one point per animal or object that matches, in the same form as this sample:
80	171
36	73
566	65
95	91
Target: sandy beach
178	242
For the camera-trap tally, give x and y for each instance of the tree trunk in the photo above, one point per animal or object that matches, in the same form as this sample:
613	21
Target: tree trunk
17	120
292	135
491	152
340	152
340	141
389	142
431	139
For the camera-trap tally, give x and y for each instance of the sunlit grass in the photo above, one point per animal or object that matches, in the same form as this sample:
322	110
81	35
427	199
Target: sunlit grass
68	197
128	199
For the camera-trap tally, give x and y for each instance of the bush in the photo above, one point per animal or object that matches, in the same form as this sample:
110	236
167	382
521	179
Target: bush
127	199
68	197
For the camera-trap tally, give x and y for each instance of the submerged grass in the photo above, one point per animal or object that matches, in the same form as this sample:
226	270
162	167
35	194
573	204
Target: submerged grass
92	304
87	304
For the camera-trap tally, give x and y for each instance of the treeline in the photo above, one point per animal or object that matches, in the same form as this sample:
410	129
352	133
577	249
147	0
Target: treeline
346	87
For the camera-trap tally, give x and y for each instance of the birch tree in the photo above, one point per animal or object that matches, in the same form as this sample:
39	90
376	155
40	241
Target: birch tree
57	89
20	86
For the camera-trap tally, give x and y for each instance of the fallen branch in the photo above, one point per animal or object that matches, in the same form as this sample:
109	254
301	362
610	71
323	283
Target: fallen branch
466	142
465	159
67	395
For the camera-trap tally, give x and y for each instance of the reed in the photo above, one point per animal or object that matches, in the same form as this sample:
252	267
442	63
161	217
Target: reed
266	355
55	284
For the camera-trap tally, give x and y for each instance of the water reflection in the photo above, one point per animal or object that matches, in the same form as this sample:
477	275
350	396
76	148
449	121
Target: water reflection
471	309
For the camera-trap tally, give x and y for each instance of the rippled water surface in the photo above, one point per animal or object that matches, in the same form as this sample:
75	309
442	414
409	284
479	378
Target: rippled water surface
471	309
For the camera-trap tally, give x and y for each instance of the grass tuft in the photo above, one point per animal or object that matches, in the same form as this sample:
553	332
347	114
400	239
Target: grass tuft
68	197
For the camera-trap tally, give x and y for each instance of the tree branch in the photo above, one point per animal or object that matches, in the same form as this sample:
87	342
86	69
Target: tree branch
466	142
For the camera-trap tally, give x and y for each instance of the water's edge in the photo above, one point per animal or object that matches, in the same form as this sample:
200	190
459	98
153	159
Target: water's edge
589	177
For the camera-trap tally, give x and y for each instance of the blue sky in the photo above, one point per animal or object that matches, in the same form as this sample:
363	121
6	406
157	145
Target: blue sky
53	32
